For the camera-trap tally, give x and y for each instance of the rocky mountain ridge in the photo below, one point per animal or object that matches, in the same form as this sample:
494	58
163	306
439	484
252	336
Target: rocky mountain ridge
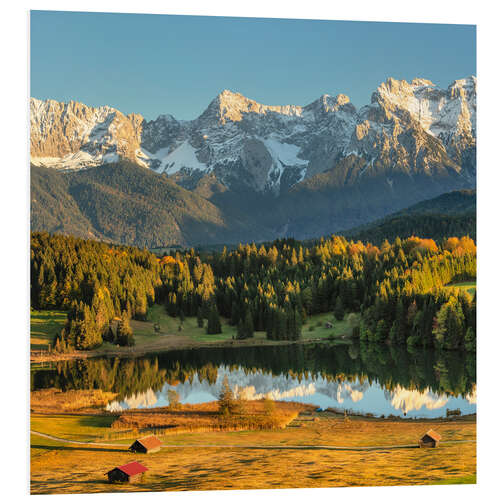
300	171
409	128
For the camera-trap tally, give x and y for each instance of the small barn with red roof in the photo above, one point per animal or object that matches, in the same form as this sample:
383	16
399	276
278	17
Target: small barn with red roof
430	439
128	473
148	444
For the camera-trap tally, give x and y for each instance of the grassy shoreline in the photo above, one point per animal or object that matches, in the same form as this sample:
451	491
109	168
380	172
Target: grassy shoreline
170	338
46	324
137	351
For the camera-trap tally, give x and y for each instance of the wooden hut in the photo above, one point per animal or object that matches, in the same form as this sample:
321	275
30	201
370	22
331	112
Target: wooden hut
148	444
328	324
429	440
128	473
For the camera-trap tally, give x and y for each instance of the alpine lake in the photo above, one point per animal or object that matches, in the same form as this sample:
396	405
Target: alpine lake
374	380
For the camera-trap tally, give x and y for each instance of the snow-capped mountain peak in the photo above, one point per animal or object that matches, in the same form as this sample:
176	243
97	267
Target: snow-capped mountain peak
414	128
231	106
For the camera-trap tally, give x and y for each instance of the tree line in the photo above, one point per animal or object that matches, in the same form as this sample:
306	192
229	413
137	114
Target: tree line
396	290
100	285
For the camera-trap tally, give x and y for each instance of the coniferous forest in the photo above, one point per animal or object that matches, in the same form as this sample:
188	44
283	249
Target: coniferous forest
395	292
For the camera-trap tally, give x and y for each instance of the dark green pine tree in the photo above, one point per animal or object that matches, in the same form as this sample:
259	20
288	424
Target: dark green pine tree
248	325
240	330
109	336
400	326
81	329
235	313
295	325
199	317
339	312
470	340
281	325
270	320
213	323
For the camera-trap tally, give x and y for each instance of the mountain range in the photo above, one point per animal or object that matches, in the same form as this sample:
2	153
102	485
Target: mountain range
246	171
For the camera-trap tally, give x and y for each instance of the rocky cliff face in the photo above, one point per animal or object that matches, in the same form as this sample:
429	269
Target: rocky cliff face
71	136
408	129
440	124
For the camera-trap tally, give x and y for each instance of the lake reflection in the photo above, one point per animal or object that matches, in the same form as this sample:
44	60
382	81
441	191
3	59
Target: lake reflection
374	379
361	397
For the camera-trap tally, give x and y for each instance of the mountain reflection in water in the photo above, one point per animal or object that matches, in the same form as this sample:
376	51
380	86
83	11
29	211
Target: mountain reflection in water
374	379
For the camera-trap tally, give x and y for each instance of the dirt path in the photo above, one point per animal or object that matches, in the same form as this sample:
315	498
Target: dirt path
256	447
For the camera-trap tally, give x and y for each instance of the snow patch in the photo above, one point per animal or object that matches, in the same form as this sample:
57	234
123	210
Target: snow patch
182	157
283	152
73	161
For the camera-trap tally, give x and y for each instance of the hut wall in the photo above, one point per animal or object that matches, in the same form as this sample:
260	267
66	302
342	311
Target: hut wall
427	442
117	476
135	478
138	448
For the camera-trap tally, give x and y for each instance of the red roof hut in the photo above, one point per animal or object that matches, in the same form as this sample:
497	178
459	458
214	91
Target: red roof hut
429	440
148	444
128	473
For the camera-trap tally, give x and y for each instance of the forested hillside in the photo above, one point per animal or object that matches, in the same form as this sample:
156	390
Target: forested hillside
129	204
452	203
393	293
451	214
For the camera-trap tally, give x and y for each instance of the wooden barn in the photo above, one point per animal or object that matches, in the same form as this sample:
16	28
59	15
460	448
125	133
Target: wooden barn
429	440
128	473
148	444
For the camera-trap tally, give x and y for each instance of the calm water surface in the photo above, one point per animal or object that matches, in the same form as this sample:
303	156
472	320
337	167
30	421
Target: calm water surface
373	379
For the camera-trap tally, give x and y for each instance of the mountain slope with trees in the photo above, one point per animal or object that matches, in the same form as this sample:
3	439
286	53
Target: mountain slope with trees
451	214
126	203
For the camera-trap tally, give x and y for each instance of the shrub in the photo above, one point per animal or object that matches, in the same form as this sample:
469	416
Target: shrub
173	399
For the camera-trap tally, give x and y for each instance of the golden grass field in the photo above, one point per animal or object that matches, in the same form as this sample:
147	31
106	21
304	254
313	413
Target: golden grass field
253	415
54	400
198	465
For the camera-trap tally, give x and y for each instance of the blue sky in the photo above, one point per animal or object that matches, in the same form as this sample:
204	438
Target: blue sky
153	64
